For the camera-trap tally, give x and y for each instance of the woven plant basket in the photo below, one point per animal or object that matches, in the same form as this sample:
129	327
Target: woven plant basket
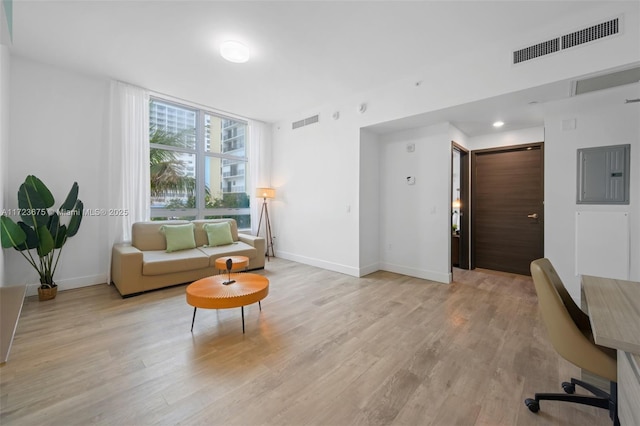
47	293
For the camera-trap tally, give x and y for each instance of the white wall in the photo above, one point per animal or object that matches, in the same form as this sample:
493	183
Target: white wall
5	59
315	214
313	226
602	118
403	229
369	203
57	126
415	228
457	136
507	138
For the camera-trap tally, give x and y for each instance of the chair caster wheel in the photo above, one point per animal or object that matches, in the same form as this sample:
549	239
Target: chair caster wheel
532	405
569	388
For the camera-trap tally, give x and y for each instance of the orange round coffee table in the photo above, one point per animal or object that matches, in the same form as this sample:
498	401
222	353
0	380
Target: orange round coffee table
238	263
227	291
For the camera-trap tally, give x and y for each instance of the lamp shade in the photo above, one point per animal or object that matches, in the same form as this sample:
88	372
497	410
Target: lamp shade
265	193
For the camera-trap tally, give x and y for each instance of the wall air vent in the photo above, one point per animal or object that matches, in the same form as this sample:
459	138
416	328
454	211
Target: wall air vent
595	32
534	51
606	81
311	120
305	122
566	41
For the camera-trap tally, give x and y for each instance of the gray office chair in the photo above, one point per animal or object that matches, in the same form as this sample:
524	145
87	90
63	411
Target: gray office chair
570	333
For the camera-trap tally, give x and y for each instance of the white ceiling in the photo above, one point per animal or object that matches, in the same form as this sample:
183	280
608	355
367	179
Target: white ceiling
304	53
518	110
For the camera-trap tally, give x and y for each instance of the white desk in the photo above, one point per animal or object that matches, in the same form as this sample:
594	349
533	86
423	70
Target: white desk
614	311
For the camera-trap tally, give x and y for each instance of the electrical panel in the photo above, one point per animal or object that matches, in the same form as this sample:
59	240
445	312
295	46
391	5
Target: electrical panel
603	175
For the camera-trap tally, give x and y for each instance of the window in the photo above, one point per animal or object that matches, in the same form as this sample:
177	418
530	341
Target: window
198	164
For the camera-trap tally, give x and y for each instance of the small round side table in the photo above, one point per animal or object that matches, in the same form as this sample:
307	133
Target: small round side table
239	263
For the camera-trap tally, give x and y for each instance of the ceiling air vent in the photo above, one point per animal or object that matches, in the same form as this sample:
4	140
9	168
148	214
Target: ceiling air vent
576	38
595	32
305	122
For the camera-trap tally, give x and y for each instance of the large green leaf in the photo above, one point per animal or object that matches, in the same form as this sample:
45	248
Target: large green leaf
33	209
10	233
58	233
41	189
60	237
32	238
71	199
46	243
76	218
54	222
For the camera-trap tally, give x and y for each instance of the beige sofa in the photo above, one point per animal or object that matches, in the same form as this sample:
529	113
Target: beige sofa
145	265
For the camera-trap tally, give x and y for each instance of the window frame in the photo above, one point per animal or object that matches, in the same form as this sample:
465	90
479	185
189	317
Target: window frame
201	155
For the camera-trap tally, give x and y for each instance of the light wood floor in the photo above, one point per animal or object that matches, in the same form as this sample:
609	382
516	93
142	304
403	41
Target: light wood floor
327	349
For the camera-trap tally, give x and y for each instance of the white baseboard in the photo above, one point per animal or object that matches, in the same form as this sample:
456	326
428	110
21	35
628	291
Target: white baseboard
331	266
69	283
369	269
440	277
444	278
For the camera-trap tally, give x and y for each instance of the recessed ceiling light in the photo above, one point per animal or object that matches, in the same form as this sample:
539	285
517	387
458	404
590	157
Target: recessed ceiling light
498	124
234	51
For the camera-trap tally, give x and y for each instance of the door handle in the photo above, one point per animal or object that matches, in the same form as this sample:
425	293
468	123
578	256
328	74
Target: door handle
532	216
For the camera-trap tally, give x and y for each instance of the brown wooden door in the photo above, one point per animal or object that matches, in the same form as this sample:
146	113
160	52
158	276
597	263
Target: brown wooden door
507	208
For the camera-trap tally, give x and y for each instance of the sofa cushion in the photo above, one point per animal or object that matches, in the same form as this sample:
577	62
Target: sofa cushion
219	234
179	237
201	235
238	248
158	262
147	235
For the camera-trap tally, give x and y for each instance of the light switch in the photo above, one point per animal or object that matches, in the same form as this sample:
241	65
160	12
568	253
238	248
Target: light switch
569	124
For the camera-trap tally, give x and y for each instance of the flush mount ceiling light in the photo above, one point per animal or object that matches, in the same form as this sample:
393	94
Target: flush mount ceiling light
498	124
234	51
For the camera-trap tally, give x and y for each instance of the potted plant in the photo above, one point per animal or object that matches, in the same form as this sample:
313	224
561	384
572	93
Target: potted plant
42	232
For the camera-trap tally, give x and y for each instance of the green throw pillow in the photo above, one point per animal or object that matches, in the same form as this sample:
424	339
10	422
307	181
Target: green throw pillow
219	234
179	237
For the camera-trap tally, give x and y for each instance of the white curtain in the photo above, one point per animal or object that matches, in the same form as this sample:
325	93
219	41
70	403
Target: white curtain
259	166
128	173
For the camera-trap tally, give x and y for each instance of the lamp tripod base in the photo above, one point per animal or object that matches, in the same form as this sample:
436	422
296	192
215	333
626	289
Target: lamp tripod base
268	236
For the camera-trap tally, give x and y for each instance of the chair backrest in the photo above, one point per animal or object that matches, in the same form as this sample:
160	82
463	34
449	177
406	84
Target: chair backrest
565	334
579	317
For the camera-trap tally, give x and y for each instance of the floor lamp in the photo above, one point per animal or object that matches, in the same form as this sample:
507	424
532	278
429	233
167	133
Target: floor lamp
265	193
